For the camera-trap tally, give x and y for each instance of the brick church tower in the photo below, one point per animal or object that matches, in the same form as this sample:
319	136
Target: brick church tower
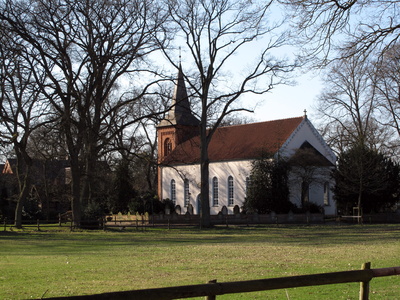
179	124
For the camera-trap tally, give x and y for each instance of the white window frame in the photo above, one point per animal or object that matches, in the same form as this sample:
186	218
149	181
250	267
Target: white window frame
173	191
231	191
215	191
186	192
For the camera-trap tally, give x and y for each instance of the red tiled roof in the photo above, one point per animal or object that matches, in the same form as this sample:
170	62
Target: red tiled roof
237	142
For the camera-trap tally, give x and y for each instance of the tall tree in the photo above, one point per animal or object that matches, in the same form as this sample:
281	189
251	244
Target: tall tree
213	33
348	107
386	82
22	109
360	28
87	49
365	179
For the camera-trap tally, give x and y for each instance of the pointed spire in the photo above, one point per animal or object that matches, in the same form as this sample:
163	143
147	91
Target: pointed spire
180	112
180	98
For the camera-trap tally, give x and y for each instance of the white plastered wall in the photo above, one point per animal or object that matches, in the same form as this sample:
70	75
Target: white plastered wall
239	170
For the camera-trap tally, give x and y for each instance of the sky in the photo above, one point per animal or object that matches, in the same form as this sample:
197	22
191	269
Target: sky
290	101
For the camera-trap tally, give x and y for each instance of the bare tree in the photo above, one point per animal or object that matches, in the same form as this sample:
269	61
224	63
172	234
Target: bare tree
88	49
387	86
348	106
22	109
213	32
354	27
351	114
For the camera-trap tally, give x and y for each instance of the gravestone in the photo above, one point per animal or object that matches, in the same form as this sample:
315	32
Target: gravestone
290	216
190	209
224	210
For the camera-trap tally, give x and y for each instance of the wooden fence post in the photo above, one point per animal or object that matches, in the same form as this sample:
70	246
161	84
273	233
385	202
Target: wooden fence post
59	219
211	297
364	285
5	224
38	225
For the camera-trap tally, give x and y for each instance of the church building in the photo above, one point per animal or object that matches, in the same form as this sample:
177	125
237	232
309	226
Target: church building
231	152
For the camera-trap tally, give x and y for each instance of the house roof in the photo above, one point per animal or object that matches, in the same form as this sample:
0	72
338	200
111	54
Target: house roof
248	141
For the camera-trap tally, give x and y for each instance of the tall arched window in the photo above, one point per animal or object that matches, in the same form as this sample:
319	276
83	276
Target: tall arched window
248	182
173	191
167	146
187	192
230	191
215	191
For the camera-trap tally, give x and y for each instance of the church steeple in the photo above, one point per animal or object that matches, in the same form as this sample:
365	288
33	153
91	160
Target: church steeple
180	112
178	126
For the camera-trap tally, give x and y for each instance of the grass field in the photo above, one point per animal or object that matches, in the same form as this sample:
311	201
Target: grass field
54	263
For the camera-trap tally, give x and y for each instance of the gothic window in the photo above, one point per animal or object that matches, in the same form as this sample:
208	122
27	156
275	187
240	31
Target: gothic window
167	146
230	191
215	191
173	191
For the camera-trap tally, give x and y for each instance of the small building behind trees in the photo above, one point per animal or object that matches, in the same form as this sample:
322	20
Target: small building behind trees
49	191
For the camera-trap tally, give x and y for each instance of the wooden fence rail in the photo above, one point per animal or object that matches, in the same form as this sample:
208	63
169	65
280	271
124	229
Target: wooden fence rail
212	289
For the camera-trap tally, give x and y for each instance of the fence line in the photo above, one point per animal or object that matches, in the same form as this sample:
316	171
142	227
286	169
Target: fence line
212	289
174	220
39	223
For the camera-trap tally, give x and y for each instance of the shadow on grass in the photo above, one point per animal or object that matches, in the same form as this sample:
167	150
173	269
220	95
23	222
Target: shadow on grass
85	241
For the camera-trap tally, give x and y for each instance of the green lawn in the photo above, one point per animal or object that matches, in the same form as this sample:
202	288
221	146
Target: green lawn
61	263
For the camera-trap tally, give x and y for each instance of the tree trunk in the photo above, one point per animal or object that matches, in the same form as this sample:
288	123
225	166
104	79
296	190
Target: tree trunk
23	170
20	203
75	189
361	184
204	175
359	203
205	197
